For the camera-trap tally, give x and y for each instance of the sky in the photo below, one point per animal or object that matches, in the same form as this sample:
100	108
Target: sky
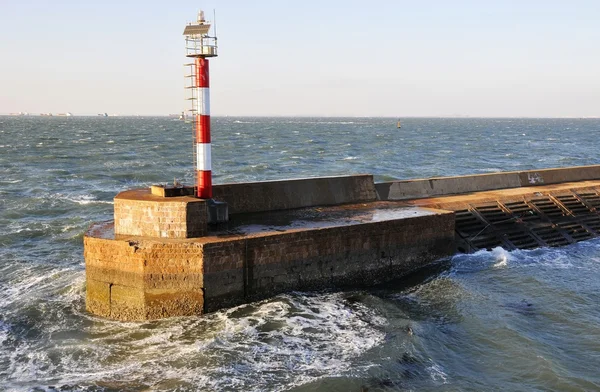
395	58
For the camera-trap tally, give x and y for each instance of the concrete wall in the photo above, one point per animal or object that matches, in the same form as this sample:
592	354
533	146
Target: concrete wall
144	279
147	278
556	176
138	212
242	270
414	189
421	188
288	194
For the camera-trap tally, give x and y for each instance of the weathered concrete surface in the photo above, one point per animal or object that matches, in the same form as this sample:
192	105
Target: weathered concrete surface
139	212
149	212
298	193
172	191
455	202
138	278
354	246
559	175
141	278
411	189
444	186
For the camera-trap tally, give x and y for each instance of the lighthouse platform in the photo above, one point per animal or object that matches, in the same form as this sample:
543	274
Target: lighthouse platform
161	258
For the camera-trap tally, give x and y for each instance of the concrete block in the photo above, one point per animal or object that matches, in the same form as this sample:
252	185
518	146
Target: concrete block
431	187
172	191
422	188
297	193
97	297
162	303
559	175
223	283
138	212
126	303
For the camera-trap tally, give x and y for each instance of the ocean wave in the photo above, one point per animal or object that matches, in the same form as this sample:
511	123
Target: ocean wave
287	341
84	199
31	282
437	373
501	257
4	331
576	255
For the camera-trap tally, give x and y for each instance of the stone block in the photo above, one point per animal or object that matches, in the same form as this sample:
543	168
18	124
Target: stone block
140	213
162	303
97	299
126	303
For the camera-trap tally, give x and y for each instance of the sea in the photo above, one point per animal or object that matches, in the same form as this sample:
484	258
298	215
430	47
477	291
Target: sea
489	321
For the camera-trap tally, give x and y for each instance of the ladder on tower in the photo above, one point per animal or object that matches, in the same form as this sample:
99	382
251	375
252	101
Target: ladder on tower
191	97
190	112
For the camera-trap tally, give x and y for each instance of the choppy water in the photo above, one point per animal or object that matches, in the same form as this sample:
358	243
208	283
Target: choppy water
522	320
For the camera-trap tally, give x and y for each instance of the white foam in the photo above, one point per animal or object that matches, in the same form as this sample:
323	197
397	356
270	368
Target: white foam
322	122
83	199
69	228
578	255
315	334
437	373
501	257
275	345
4	329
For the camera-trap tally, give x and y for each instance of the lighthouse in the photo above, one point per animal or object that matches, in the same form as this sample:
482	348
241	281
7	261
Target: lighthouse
199	47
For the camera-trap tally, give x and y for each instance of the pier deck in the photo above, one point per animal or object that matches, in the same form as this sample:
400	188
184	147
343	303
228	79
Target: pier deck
523	218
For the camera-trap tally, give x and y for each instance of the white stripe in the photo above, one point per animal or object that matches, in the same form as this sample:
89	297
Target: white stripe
203	101
203	156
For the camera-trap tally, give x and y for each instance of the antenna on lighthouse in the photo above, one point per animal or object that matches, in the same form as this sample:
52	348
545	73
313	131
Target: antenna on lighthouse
200	46
215	22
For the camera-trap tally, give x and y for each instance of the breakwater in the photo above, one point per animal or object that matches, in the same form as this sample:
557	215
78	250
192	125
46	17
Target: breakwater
161	258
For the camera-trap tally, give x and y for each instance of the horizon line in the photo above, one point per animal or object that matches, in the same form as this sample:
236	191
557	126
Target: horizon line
456	116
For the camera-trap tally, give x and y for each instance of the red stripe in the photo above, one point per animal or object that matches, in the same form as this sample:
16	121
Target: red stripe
202	72
202	129
204	181
203	177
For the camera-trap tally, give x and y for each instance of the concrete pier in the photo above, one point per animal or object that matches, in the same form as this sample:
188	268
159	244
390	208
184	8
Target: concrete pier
514	210
161	258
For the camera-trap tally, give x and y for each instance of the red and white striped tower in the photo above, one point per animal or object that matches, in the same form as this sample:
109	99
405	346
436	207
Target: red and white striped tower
202	127
201	46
